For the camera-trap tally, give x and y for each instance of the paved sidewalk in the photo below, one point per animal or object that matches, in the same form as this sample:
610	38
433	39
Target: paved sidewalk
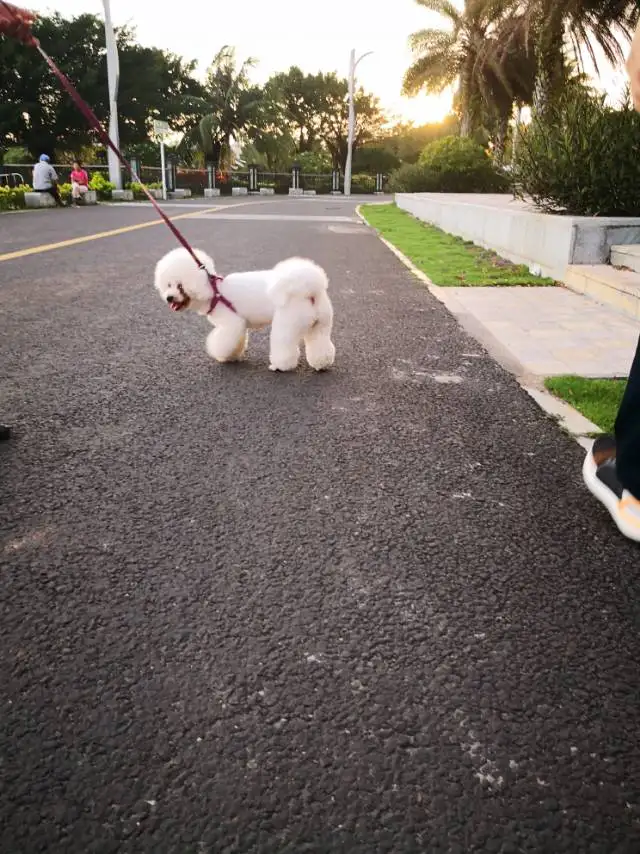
547	331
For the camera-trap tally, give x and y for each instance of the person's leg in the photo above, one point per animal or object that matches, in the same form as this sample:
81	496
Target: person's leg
628	432
75	191
55	192
611	469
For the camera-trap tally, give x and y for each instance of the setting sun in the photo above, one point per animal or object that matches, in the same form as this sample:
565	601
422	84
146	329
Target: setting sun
424	109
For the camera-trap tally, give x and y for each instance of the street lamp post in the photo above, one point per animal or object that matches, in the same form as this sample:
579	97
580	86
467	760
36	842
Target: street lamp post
113	74
353	64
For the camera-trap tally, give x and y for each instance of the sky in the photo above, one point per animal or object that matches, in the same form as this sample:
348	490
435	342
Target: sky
274	34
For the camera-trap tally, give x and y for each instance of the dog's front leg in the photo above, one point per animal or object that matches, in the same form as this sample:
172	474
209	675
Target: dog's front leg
228	342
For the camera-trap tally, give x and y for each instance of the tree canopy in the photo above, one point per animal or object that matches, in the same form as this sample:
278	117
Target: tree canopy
37	114
293	115
311	113
506	54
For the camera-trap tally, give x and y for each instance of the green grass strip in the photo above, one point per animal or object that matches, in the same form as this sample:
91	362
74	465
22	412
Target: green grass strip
445	259
597	400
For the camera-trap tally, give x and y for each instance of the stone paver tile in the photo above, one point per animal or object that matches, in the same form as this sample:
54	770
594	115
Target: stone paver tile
548	368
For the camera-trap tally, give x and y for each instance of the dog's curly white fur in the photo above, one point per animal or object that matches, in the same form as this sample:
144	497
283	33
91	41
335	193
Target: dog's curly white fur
292	297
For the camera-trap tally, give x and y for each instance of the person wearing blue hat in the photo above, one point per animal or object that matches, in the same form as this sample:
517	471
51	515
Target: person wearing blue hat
45	179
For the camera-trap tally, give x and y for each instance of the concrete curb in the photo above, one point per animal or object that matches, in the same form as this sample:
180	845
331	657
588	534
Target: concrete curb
572	421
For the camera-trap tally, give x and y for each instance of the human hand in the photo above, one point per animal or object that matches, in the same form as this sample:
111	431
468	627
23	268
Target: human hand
17	23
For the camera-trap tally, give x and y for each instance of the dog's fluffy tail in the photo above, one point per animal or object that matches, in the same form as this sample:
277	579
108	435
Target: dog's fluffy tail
297	278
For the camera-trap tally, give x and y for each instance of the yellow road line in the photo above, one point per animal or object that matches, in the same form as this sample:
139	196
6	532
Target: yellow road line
63	244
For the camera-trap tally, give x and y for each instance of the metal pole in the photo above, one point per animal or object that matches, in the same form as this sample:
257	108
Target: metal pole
113	73
163	168
516	135
352	119
352	123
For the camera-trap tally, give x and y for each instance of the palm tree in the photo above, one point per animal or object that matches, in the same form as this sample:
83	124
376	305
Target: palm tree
444	56
229	110
506	74
558	28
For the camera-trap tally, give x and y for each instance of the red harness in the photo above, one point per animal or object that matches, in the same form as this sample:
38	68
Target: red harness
216	296
92	119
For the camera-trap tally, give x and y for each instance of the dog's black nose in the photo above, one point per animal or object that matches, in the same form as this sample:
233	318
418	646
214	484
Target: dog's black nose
170	299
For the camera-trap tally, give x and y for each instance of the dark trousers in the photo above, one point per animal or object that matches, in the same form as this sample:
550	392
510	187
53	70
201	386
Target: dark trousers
628	432
55	192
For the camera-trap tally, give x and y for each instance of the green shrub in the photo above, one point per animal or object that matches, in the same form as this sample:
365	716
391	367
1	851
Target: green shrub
138	192
581	158
65	192
311	162
320	183
101	185
12	198
452	164
462	165
375	158
412	178
363	184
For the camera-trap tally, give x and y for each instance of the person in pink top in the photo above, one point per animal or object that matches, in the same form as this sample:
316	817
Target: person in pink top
79	182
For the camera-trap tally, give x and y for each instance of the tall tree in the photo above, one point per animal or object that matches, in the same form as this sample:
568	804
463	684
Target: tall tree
334	119
155	84
229	109
299	100
34	112
506	73
313	109
271	141
558	29
449	55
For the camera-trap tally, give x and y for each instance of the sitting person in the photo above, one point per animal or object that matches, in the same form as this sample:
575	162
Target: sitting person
45	179
79	182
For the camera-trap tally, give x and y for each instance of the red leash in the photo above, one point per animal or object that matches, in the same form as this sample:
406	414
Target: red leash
92	119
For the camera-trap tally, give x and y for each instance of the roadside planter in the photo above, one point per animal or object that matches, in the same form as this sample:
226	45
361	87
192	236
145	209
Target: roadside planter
547	243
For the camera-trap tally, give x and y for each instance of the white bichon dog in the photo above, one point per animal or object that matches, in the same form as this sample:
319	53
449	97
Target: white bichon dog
292	297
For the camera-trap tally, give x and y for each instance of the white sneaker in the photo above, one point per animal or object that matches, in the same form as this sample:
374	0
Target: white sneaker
601	478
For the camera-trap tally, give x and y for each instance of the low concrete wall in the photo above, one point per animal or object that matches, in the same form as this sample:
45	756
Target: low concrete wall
546	243
39	200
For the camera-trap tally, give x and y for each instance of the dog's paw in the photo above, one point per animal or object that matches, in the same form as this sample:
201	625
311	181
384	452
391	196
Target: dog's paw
322	363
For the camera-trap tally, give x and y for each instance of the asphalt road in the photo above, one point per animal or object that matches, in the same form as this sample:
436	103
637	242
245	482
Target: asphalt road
367	611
